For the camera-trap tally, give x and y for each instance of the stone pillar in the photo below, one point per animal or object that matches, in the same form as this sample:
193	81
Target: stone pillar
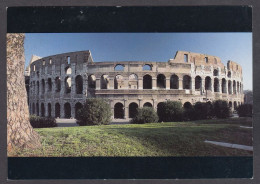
212	85
140	83
85	84
46	109
154	83
192	83
203	85
62	89
97	83
73	86
62	114
72	105
168	83
126	111
220	86
111	83
180	83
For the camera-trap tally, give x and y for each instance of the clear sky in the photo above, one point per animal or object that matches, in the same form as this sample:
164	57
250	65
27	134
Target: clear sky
145	46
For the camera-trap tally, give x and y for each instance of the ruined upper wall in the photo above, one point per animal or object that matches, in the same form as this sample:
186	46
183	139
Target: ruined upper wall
235	67
197	59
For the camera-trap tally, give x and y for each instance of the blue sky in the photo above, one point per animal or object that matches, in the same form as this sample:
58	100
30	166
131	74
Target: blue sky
145	46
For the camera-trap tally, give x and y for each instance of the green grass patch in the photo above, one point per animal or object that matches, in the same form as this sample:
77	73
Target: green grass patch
155	139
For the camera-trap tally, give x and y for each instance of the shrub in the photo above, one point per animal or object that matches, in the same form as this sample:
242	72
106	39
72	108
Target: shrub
221	109
202	110
42	122
245	110
95	111
170	111
189	114
145	115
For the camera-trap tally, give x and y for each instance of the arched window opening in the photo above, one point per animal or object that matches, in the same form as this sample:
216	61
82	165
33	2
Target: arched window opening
187	105
67	110
33	108
119	68
186	58
49	85
147	82
118	82
43	86
147	67
147	104
174	82
68	70
78	106
67	85
215	72
42	110
238	90
119	111
91	81
37	109
229	87
235	105
207	83
57	110
229	74
216	85
198	83
161	81
49	110
133	110
133	81
224	85
50	61
206	59
104	81
68	59
79	84
57	84
186	82
234	87
230	104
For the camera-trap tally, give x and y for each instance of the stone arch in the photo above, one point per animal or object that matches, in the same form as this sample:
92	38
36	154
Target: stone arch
57	84
37	109
230	104
67	110
229	87
208	83
186	82
104	81
57	110
229	74
216	85
133	109
235	105
118	82
119	67
49	109
224	85
174	82
42	110
147	81
187	105
49	84
234	88
33	108
43	86
147	104
78	106
147	67
92	81
79	84
161	81
68	70
67	85
198	83
133	81
215	72
119	111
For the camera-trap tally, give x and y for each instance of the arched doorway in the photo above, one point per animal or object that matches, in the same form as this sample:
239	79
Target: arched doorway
57	110
216	85
67	110
224	85
147	82
147	104
92	81
79	84
104	81
187	105
118	82
186	82
37	109
78	106
119	111
174	82
197	82
42	110
133	109
208	83
57	84
161	81
49	109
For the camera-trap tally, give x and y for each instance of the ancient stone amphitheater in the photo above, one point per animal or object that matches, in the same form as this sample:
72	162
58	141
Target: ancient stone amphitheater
60	84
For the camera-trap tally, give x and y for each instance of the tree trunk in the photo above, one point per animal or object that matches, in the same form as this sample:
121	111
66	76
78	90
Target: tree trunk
20	133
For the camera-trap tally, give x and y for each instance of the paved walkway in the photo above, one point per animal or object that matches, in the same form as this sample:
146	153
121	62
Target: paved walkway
245	127
229	145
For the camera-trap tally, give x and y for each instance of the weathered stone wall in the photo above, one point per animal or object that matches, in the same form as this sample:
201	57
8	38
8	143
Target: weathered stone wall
189	79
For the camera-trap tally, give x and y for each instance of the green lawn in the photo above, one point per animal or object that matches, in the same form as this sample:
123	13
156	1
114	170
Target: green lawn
156	139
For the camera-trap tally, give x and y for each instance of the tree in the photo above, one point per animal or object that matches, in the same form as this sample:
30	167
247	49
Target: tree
145	115
170	111
20	133
221	109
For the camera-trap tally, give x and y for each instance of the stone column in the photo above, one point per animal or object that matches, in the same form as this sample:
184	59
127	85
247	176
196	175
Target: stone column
40	87
220	86
167	83
72	110
97	83
111	83
192	83
154	83
62	114
85	84
62	89
180	83
212	84
203	85
140	83
46	109
73	86
126	111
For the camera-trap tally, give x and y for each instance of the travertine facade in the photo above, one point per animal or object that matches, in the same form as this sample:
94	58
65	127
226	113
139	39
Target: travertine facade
60	84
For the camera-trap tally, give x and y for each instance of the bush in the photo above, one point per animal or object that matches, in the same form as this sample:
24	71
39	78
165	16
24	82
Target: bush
245	110
189	114
221	109
202	110
145	115
42	122
170	111
94	112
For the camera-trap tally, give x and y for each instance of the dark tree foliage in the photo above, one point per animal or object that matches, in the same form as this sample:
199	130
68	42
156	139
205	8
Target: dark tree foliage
202	110
145	115
245	110
171	111
221	109
42	122
95	111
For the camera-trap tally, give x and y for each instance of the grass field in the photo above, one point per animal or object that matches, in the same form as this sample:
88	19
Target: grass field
156	139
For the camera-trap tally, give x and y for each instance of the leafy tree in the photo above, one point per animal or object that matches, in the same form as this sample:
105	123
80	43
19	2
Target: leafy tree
245	110
145	115
171	111
221	109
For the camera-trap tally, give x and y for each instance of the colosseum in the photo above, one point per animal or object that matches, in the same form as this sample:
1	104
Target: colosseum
60	84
